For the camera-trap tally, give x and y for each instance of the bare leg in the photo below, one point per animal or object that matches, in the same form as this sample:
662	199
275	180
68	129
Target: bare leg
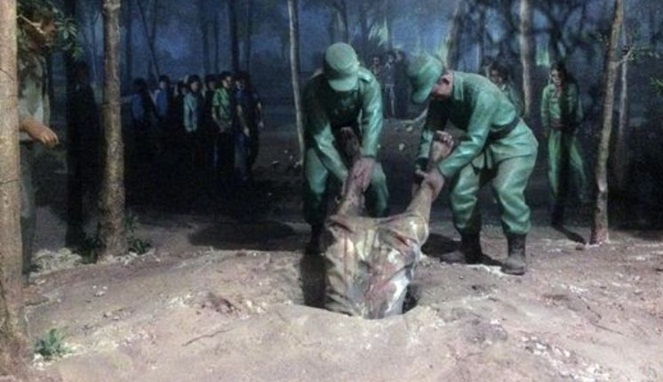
428	190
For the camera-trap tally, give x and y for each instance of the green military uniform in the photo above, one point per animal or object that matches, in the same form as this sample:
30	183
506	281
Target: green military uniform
497	146
561	115
326	111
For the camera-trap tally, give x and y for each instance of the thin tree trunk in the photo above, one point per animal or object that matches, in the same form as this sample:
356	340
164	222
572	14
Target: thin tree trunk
93	47
344	20
153	36
481	37
451	41
150	39
621	159
526	53
111	222
234	36
204	33
293	12
128	42
216	41
363	29
599	232
248	38
13	339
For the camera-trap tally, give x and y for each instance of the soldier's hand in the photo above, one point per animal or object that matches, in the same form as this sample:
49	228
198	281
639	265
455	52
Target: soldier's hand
40	133
362	171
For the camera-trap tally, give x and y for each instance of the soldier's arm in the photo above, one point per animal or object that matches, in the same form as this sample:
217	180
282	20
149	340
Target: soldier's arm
471	144
436	119
371	119
318	133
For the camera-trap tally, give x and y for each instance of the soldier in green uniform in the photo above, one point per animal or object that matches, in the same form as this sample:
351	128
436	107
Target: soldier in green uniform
561	114
342	95
497	146
38	27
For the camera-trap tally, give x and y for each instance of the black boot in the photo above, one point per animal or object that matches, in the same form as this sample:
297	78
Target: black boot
557	216
314	245
515	264
469	251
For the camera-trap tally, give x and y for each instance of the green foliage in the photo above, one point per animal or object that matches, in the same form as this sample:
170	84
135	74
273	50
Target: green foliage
89	249
658	85
136	245
52	345
66	27
92	244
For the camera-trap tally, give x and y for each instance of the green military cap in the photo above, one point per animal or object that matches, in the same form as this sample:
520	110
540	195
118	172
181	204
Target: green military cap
423	72
341	67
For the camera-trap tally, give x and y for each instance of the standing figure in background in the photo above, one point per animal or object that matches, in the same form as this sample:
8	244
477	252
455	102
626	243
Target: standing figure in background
376	68
181	144
224	112
38	26
251	110
194	114
498	74
210	129
142	111
389	86
401	85
561	116
83	152
342	97
164	103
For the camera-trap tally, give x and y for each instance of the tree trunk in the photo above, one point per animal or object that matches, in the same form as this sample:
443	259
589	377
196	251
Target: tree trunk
148	38
13	340
128	43
526	53
344	20
451	61
363	29
204	33
216	65
293	12
111	222
599	232
234	36
248	38
481	34
621	159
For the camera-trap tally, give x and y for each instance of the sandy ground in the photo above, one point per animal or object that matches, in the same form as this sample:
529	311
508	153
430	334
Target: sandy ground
221	297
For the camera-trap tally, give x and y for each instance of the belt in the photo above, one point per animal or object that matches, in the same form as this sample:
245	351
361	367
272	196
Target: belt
505	130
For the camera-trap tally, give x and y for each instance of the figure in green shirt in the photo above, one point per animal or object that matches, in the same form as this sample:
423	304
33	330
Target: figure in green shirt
497	147
342	96
561	115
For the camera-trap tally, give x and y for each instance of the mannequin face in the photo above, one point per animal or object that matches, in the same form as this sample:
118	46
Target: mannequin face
557	77
442	89
496	78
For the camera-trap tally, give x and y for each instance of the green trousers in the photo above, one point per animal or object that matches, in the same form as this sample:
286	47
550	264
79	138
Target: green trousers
565	164
317	188
508	181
